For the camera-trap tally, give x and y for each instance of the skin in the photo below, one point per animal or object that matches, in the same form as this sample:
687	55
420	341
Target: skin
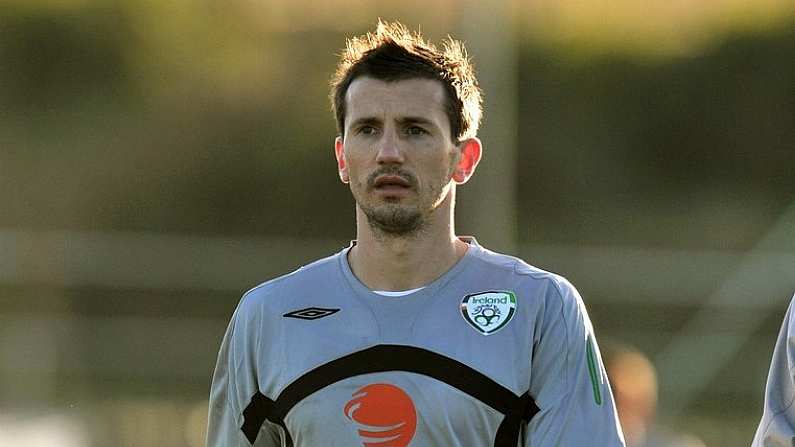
402	166
635	390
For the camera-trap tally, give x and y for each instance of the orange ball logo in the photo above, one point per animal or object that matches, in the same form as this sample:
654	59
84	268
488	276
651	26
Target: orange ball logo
384	414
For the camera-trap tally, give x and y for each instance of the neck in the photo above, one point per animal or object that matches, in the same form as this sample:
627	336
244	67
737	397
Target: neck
386	262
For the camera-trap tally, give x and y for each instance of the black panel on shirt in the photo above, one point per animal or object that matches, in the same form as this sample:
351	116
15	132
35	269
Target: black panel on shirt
383	358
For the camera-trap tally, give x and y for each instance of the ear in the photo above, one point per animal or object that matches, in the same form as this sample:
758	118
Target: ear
471	149
339	152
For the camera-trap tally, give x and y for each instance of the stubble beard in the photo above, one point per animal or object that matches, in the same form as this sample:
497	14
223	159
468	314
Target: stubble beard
393	219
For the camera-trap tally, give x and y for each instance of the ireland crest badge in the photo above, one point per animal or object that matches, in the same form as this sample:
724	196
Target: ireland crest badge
488	312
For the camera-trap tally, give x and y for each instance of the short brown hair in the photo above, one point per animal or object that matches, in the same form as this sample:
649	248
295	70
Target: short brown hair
393	53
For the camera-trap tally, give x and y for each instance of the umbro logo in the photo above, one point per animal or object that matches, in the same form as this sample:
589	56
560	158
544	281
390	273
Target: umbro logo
311	313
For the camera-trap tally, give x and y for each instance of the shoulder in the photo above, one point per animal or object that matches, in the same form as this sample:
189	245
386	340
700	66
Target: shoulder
789	318
554	285
276	292
553	296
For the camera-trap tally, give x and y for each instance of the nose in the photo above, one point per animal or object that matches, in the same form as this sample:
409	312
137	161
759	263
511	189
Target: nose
389	150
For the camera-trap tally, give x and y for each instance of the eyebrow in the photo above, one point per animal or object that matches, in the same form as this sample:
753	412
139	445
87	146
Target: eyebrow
403	121
415	120
365	121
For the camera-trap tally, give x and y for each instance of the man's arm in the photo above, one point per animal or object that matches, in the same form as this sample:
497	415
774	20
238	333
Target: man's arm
777	427
234	382
569	382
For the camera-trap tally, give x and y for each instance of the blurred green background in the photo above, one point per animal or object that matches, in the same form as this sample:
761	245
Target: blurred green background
157	159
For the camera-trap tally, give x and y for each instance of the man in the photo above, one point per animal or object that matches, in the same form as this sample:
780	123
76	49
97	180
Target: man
634	383
411	336
777	427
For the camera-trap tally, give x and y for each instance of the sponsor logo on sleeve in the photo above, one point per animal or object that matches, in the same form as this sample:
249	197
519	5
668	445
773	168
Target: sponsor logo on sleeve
384	415
488	312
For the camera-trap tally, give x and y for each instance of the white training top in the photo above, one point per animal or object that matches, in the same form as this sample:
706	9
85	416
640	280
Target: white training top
493	353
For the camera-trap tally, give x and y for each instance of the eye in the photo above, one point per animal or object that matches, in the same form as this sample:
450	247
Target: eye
416	130
367	130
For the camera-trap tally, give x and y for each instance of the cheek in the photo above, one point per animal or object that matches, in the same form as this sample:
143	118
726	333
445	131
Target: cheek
358	177
447	166
354	164
435	181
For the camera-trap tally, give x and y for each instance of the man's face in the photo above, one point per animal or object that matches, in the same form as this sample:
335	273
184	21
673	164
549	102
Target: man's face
397	153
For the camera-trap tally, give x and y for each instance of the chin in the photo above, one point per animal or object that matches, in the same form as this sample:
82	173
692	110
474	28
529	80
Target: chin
392	217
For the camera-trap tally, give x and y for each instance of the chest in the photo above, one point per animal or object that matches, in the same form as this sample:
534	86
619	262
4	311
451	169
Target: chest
439	325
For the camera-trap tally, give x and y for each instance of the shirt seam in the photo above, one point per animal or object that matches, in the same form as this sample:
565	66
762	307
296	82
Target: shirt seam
565	333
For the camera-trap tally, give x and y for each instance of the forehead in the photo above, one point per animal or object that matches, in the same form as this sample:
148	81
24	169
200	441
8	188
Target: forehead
373	98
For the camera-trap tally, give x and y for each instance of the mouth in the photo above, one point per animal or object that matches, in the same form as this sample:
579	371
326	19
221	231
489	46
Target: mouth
396	182
392	186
